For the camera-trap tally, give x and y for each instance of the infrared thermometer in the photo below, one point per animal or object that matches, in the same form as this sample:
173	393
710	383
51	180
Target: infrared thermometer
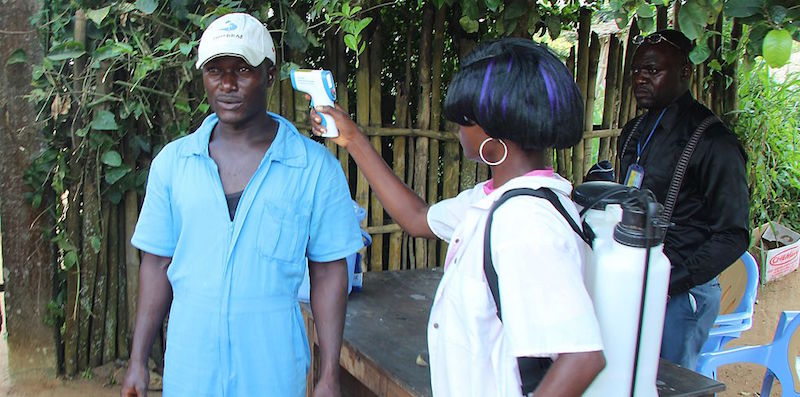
319	84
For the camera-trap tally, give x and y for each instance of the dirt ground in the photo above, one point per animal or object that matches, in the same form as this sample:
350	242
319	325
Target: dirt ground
740	380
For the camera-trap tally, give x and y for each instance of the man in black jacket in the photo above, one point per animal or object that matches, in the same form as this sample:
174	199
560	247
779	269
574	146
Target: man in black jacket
711	214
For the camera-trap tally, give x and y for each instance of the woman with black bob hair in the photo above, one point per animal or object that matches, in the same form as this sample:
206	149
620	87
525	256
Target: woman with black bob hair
517	90
513	100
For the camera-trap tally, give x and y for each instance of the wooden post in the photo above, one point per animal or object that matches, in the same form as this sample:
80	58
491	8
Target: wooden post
610	99
591	88
88	262
100	291
661	17
362	118
584	29
376	211
564	156
421	157
436	114
112	245
398	244
730	71
342	96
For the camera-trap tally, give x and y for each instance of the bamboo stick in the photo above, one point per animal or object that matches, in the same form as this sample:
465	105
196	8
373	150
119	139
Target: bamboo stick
610	98
100	291
329	63
730	71
398	243
73	218
342	96
594	55
399	168
375	120
564	156
362	118
112	258
122	290
582	79
434	182
421	150
91	229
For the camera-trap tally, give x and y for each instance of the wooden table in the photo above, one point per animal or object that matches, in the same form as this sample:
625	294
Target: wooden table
385	333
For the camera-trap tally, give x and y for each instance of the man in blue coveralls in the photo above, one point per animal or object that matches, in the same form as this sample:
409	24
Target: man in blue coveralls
231	213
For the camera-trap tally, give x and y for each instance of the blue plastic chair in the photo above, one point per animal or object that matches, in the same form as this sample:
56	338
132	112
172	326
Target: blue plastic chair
779	357
736	305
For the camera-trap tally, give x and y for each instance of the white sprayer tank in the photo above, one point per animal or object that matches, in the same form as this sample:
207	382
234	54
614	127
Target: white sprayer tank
614	276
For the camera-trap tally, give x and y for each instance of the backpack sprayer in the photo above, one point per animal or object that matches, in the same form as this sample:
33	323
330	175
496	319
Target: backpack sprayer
627	276
320	85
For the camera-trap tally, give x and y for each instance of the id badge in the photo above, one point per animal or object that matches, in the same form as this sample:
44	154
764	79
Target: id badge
635	176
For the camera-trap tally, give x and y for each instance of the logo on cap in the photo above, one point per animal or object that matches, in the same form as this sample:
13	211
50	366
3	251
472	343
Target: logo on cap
229	25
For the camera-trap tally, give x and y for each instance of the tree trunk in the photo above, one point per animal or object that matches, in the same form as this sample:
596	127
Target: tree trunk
27	258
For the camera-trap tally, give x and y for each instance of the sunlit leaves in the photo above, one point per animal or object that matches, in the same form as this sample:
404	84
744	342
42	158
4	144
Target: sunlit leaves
777	47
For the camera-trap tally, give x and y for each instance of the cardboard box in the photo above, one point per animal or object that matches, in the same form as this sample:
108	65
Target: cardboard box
777	250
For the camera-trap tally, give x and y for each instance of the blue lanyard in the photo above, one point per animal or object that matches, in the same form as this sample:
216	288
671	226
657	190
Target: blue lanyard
639	147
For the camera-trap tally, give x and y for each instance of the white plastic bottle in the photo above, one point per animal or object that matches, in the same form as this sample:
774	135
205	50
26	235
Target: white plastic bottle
614	278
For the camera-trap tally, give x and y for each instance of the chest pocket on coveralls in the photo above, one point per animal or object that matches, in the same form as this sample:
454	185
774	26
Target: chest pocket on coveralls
283	233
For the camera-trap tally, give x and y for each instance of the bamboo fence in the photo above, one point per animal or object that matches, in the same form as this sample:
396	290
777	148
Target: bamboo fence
399	108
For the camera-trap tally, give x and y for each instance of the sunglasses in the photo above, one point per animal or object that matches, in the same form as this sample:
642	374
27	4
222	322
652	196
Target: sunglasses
654	38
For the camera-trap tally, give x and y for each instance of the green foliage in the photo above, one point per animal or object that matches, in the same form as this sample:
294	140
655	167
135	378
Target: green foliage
768	125
695	16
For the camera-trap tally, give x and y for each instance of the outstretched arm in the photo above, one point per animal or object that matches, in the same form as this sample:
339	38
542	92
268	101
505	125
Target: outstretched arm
403	204
155	296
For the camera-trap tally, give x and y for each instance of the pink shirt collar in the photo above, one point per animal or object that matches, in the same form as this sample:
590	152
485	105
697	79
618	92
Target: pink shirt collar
547	172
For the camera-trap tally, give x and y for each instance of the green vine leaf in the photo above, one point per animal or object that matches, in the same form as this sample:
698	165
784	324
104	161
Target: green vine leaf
186	48
147	7
70	259
18	56
692	19
97	16
700	53
493	5
742	8
469	25
351	41
104	121
778	14
115	174
68	50
646	11
111	158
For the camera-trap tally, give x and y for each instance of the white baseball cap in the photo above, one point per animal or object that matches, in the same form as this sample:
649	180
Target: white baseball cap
236	34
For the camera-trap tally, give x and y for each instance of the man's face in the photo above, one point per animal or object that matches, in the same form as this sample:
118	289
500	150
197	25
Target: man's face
660	75
236	91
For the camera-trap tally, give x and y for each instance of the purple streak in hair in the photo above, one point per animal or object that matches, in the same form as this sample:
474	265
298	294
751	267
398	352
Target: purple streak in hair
485	85
505	102
550	85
